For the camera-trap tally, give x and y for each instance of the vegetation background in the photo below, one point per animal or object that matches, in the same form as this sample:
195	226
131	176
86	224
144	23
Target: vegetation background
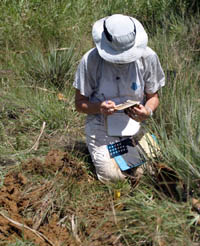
41	43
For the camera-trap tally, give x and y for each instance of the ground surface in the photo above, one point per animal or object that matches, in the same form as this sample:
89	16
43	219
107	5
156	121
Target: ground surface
51	201
30	209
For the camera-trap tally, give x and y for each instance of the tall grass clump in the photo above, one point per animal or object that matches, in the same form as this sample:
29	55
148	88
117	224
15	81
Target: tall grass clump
53	68
177	124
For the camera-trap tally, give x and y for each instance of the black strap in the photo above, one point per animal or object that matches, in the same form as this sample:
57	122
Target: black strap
108	35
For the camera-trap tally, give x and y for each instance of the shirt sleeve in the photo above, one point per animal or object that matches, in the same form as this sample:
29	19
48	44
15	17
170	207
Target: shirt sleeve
85	77
154	76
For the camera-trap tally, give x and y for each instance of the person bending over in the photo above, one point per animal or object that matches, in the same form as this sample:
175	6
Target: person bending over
121	67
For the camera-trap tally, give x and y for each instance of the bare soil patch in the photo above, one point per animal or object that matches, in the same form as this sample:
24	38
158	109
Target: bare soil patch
29	209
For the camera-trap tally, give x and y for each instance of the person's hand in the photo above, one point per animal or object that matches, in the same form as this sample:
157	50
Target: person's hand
107	107
138	113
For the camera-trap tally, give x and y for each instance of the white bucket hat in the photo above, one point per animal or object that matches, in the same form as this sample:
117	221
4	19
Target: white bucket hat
119	38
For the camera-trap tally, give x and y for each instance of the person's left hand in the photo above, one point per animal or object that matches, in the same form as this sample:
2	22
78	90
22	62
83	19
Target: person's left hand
138	113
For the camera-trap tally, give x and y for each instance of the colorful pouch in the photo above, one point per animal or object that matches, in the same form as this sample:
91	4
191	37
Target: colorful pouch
126	154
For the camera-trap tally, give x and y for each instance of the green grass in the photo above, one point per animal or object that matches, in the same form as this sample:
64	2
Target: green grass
22	243
41	43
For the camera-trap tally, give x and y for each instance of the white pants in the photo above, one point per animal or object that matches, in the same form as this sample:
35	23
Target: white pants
106	168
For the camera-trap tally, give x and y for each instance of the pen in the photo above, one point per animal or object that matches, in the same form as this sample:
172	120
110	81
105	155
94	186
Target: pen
104	98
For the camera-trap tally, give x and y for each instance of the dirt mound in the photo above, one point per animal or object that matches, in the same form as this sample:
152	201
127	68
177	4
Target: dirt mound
24	204
56	162
32	207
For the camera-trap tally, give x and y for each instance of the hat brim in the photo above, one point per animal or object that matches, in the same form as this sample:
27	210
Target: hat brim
114	56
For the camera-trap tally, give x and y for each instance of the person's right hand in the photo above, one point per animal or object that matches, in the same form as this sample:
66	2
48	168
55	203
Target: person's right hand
107	107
